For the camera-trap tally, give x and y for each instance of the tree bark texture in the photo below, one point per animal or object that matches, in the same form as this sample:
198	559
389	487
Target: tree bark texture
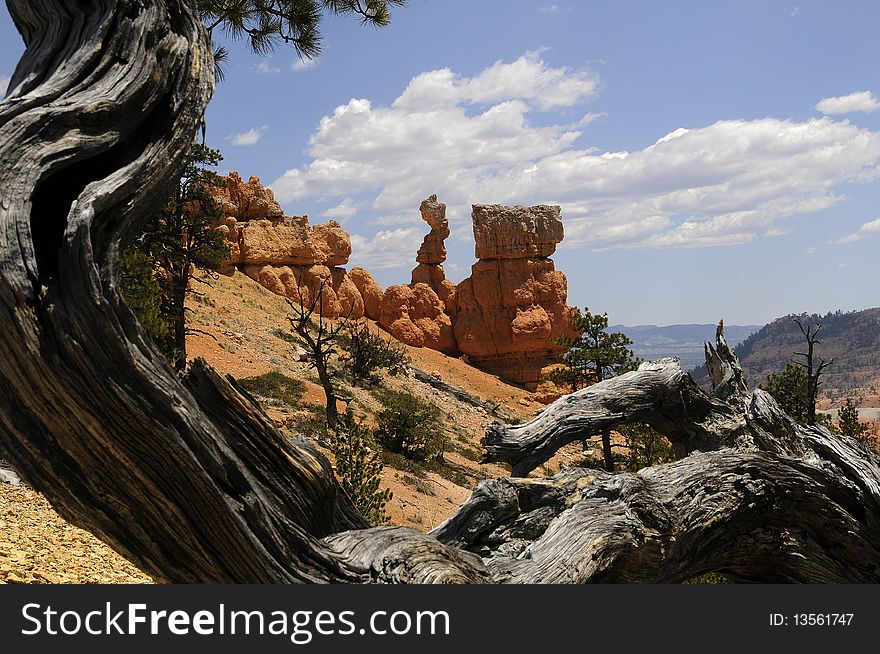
102	106
186	476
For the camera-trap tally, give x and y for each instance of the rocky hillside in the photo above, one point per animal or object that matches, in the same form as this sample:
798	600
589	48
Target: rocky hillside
243	330
851	339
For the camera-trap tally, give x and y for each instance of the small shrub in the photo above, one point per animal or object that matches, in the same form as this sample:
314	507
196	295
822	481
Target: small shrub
368	352
311	421
359	468
409	426
470	454
647	447
824	420
400	462
456	477
276	386
422	487
287	337
849	423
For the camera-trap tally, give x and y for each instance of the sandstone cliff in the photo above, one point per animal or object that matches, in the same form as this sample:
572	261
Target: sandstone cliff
286	254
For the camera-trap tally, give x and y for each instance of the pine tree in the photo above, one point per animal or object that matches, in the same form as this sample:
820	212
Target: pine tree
184	234
789	389
592	357
265	24
142	294
848	421
359	468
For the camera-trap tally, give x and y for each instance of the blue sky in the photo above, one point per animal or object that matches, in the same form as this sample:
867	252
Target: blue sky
712	159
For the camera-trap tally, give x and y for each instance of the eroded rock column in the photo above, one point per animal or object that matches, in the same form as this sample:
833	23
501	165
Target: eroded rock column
512	309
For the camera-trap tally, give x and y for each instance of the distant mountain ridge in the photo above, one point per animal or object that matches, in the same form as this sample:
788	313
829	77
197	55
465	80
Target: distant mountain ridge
851	339
683	341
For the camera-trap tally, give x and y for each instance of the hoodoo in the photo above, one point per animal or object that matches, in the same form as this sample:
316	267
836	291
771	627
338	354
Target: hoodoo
512	309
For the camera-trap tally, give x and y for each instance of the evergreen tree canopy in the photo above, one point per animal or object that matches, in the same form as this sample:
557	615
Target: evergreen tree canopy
181	235
789	389
138	285
595	355
848	420
591	357
267	23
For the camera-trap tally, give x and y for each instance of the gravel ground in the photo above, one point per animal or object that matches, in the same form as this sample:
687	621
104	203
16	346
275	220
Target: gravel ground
38	547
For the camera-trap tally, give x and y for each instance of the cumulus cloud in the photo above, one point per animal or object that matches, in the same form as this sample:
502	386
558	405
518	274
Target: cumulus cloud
868	229
265	68
527	79
346	209
250	137
476	139
4	83
387	249
549	9
300	65
863	101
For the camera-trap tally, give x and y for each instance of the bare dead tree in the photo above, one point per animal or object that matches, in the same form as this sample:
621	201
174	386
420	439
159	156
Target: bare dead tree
814	372
320	335
183	473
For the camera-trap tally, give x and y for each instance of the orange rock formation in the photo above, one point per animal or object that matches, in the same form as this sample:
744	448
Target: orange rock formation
287	255
512	308
506	317
420	314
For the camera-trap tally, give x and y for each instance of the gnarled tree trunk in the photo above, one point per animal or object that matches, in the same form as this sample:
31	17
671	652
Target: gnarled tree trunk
182	474
185	475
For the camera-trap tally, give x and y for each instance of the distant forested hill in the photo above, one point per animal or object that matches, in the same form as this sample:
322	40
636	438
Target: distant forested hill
852	339
683	341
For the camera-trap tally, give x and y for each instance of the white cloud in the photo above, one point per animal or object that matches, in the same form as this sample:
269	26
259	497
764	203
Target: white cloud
844	104
794	11
250	137
4	83
813	249
346	209
265	68
726	183
589	119
868	229
387	249
550	9
300	65
527	79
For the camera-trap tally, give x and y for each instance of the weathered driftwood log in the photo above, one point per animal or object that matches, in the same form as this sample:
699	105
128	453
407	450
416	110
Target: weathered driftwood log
753	516
186	476
777	501
658	393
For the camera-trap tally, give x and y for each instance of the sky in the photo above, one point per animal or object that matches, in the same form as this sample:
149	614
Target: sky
711	159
